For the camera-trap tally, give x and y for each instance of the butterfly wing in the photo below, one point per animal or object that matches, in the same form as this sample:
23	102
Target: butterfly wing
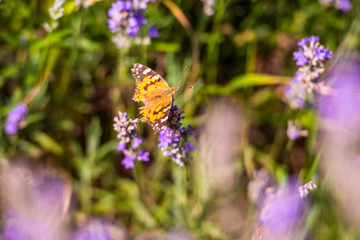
148	82
150	89
156	113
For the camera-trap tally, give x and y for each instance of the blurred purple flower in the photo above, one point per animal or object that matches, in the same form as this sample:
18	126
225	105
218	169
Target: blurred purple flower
300	57
121	147
173	139
136	142
343	5
126	19
143	156
96	229
282	210
295	131
14	117
128	162
295	94
342	106
129	141
34	202
153	32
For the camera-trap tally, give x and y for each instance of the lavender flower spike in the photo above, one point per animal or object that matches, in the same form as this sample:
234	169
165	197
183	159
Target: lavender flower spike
310	57
129	140
173	139
126	18
15	116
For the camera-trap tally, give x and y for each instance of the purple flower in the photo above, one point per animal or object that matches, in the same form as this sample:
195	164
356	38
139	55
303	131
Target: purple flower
153	32
281	211
143	156
295	131
189	147
128	162
294	94
126	19
172	140
14	117
136	142
341	107
129	141
343	5
96	229
34	202
121	147
310	57
164	139
300	58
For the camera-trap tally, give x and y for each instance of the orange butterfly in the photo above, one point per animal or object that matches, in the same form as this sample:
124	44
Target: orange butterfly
155	93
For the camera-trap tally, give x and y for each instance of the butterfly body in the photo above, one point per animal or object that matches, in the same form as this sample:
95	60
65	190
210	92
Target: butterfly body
155	93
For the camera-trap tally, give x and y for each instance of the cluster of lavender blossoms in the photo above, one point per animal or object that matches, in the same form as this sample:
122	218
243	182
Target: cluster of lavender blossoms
56	11
309	57
129	141
343	5
173	139
126	19
14	118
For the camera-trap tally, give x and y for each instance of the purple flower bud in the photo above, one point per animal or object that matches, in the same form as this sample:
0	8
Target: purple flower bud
121	147
143	156
153	32
136	143
14	117
300	58
128	162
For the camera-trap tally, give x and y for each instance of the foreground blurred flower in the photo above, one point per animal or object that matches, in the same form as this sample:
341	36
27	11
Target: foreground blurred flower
35	204
173	139
343	5
281	212
56	11
14	118
125	20
295	131
96	229
340	122
129	140
220	144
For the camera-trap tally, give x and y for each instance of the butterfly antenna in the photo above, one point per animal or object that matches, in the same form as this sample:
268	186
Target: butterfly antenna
185	67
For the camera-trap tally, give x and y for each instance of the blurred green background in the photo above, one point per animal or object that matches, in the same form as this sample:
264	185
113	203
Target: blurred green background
74	81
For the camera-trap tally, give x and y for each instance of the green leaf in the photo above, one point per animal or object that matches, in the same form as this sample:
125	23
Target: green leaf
47	142
246	80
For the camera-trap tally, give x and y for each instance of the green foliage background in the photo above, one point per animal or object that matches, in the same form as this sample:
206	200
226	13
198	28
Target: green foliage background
74	81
